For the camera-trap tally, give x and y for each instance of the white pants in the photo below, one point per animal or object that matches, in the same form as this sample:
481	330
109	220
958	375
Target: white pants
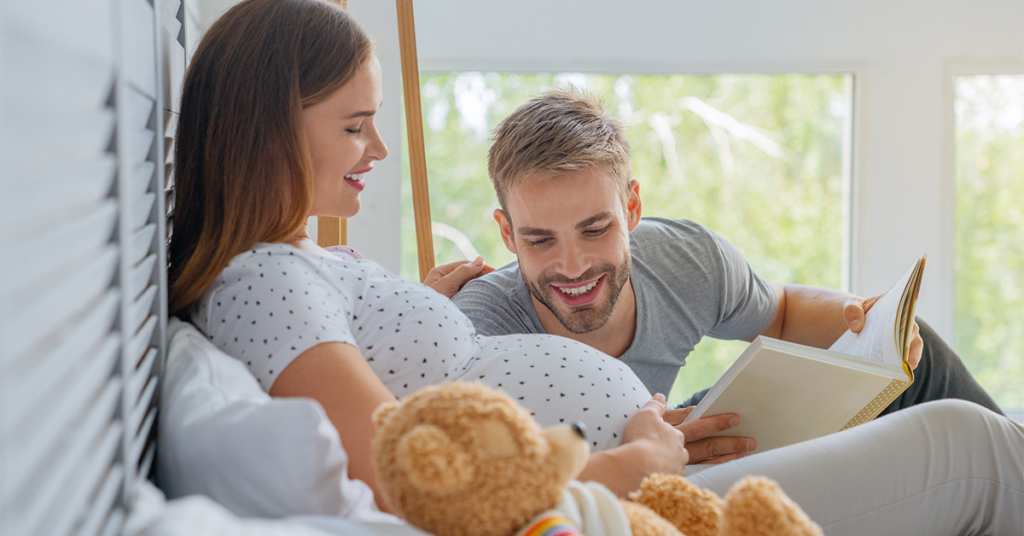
946	467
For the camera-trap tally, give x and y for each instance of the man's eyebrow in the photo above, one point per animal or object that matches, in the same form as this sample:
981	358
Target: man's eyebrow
594	219
536	231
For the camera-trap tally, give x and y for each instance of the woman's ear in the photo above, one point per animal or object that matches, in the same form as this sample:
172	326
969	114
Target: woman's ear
634	207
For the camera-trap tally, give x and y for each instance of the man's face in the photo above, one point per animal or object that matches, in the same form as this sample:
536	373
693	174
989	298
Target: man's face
571	234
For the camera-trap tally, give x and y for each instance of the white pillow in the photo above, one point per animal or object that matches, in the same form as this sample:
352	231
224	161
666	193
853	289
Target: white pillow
222	436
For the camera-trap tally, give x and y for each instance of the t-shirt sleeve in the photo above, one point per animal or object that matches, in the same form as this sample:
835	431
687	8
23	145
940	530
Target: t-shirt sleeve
267	316
492	309
748	302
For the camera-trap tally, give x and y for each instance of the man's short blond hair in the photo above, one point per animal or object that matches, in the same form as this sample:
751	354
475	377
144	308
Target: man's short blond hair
561	131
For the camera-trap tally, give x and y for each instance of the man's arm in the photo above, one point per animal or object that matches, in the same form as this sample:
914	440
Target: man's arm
816	316
812	316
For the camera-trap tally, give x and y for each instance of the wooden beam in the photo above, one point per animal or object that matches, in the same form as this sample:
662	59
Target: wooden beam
414	126
331	231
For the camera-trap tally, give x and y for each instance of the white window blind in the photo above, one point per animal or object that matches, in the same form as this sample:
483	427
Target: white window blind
83	294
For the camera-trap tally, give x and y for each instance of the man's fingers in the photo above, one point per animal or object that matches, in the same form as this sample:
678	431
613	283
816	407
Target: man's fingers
916	348
676	416
722	459
720	449
870	302
706	426
853	313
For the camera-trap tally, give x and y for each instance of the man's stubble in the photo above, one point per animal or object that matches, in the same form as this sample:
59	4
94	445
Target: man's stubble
587	318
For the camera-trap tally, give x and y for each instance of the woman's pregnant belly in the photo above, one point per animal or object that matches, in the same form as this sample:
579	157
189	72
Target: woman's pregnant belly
560	381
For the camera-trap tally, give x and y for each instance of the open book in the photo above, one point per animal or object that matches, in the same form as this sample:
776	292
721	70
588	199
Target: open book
786	392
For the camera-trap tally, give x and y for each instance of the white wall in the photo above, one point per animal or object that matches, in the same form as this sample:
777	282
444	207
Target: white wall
902	54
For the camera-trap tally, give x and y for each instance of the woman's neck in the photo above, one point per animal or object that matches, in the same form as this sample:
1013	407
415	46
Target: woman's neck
300	235
301	240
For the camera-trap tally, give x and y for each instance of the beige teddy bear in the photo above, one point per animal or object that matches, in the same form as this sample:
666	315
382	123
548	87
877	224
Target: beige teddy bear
465	460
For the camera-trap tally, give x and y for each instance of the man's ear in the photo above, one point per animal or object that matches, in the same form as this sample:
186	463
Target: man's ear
634	208
505	226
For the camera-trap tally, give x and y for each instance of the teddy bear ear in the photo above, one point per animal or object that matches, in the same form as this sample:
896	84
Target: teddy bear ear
383	411
433	461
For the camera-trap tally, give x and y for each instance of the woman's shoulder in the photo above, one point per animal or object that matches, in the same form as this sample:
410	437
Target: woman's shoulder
279	260
267	274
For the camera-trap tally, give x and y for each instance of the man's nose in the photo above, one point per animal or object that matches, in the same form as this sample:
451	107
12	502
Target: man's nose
573	261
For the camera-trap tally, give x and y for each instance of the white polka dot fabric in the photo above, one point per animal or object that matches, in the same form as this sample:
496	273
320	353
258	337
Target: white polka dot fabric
561	381
274	302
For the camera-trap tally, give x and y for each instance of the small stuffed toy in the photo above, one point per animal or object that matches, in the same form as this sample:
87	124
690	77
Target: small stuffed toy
463	459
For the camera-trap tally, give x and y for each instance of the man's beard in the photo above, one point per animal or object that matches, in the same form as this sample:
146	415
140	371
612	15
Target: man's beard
586	318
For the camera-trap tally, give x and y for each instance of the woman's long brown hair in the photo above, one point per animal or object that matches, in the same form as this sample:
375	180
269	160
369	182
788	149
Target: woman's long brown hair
242	170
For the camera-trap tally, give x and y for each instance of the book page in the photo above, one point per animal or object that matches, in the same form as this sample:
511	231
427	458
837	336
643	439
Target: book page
877	340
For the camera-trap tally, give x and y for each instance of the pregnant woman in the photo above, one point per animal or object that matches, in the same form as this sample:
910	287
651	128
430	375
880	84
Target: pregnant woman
277	125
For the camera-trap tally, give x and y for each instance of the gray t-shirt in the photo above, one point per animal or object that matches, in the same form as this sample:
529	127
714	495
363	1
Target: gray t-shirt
688	281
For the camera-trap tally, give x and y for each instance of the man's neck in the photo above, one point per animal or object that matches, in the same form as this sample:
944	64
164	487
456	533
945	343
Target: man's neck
613	338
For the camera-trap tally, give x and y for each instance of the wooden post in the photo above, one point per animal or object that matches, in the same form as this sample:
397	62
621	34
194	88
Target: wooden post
414	126
331	231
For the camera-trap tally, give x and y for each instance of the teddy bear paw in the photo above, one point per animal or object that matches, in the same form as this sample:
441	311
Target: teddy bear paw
757	506
693	511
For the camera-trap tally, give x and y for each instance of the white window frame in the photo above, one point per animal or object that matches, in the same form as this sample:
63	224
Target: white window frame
953	69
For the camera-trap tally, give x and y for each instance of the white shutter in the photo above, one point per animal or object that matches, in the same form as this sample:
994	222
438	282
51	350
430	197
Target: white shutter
83	293
141	228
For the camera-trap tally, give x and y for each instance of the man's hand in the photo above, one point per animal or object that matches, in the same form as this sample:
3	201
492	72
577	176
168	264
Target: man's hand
704	449
854	311
448	279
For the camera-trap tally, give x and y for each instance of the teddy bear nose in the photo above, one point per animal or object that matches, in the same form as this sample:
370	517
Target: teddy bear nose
580	429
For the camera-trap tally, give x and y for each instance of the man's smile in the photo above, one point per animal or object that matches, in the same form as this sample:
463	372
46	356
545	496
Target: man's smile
577	294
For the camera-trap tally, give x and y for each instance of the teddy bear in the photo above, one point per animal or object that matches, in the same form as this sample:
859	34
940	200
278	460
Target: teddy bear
462	459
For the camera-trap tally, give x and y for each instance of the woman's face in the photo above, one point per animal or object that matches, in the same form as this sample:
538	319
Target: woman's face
344	143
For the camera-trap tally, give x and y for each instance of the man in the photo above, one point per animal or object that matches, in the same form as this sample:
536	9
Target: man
646	291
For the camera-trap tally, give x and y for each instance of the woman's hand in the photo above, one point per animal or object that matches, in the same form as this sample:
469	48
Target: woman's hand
448	279
649	445
664	444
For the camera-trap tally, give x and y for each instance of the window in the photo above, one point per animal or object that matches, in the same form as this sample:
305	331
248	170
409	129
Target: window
757	158
989	236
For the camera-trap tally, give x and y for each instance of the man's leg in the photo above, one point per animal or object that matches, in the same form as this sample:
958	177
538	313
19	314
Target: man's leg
947	467
940	374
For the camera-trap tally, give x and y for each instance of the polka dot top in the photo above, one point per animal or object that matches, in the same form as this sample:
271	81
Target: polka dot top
276	301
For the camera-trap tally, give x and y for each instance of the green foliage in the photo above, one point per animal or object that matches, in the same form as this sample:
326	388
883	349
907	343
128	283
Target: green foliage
989	247
757	158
